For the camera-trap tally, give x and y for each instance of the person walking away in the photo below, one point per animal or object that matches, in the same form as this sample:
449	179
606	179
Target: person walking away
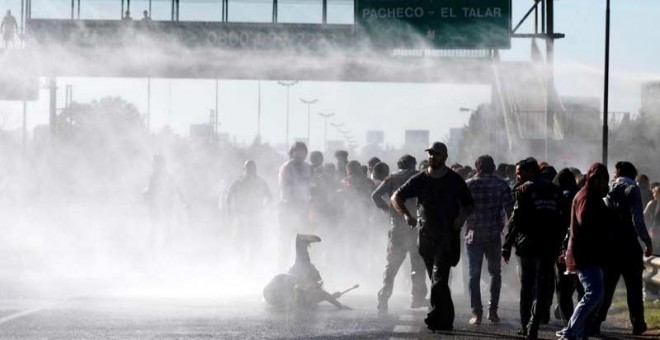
536	231
566	283
9	27
443	204
401	239
589	242
626	199
483	234
652	216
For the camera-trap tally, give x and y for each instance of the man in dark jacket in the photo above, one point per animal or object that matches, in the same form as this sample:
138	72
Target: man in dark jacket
443	204
626	199
536	231
402	240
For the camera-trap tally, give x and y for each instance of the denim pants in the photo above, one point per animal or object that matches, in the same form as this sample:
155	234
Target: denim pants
492	251
585	312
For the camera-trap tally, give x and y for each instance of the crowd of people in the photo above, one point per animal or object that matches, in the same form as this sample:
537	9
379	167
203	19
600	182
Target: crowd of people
561	225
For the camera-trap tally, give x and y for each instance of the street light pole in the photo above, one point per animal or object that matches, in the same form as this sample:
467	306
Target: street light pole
309	103
288	85
325	130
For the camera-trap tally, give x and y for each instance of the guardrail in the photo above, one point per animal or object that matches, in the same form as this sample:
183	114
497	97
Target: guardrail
651	274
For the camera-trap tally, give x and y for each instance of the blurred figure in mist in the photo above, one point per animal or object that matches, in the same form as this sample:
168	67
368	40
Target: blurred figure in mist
423	165
145	16
443	204
371	164
127	16
342	160
380	172
324	187
245	202
295	179
644	185
357	189
566	284
483	235
165	200
402	240
9	27
626	199
652	215
302	287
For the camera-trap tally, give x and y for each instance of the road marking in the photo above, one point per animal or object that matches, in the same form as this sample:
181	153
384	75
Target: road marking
15	316
405	329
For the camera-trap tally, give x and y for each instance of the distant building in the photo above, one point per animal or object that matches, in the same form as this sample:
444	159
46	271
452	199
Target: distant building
375	137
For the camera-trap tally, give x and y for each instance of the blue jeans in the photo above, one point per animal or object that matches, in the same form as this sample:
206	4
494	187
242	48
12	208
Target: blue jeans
584	314
493	253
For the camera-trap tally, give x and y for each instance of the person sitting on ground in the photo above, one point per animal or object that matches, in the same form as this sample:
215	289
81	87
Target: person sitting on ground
302	286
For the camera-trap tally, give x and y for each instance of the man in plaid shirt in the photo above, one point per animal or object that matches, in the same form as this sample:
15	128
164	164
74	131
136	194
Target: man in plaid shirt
493	203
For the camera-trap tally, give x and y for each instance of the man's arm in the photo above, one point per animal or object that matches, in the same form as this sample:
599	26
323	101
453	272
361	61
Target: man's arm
377	196
467	205
637	213
398	200
507	200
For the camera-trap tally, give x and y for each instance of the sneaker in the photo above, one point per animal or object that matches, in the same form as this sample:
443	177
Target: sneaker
493	317
475	319
522	331
639	330
560	333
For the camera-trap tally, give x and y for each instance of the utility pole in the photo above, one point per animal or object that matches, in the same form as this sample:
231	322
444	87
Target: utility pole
52	87
149	102
24	125
550	56
325	129
288	85
606	89
217	112
309	103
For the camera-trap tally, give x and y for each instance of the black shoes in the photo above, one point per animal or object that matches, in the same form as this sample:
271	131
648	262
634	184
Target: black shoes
639	330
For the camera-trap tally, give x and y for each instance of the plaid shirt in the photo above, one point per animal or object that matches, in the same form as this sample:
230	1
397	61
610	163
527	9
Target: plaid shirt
492	198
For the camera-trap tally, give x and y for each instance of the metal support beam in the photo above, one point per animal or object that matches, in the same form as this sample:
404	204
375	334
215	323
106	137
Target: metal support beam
533	9
550	56
275	11
325	12
52	88
606	88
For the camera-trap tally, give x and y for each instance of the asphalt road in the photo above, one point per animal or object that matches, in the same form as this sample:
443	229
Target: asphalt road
241	317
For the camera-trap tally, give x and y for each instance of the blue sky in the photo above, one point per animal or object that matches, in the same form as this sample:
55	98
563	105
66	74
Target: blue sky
635	58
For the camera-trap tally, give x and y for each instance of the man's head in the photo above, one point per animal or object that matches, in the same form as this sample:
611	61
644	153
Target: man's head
381	171
656	192
406	162
145	13
527	169
643	182
423	165
597	179
354	168
341	156
372	163
128	14
485	165
298	151
437	154
625	169
316	158
250	169
8	12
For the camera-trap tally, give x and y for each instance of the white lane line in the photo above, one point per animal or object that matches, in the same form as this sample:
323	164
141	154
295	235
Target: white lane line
21	314
405	329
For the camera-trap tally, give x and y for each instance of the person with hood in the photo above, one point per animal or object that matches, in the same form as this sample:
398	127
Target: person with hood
588	245
566	283
627	261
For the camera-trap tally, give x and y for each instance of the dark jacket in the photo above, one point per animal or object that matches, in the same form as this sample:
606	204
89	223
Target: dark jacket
626	200
590	240
535	226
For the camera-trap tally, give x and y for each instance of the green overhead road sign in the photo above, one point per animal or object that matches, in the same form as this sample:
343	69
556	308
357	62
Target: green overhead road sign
441	24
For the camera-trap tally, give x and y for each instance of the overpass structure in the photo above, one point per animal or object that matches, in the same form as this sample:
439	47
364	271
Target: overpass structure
420	50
